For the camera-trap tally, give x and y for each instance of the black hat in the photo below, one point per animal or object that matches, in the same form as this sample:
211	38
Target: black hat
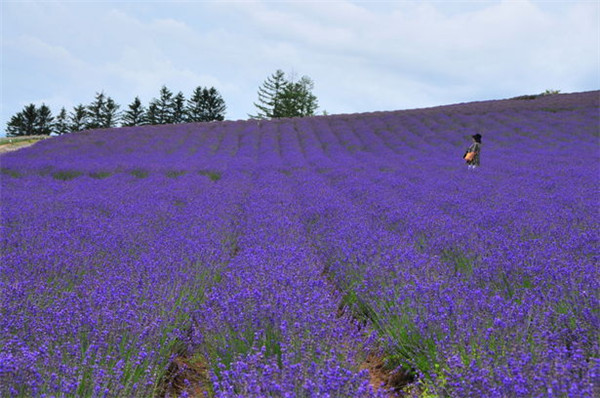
477	137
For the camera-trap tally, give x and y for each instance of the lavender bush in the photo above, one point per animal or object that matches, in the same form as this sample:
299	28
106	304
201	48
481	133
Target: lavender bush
275	258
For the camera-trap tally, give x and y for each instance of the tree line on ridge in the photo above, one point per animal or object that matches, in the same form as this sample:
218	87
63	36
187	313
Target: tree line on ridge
278	97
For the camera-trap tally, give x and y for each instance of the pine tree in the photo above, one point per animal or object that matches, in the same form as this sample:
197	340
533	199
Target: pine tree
61	125
136	115
152	116
16	126
31	121
214	105
194	108
30	115
103	112
162	108
95	112
44	121
78	119
22	123
269	96
179	115
110	113
205	105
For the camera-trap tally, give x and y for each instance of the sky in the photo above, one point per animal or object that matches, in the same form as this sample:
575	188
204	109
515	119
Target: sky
362	56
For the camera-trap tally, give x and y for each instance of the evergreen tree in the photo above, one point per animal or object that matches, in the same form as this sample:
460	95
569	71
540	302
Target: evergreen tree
95	112
179	115
44	121
30	115
110	113
16	126
269	96
214	105
31	121
297	99
195	106
135	115
152	115
78	119
205	105
103	112
279	97
61	125
162	108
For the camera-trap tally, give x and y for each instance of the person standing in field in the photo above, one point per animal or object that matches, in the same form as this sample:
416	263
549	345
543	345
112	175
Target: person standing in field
471	156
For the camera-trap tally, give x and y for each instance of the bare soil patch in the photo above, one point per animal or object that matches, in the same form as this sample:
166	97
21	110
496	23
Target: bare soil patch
394	382
189	377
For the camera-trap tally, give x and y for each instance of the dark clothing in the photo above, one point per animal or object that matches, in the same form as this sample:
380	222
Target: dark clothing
475	147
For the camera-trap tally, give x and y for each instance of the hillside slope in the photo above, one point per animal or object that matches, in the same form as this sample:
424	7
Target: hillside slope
546	121
346	255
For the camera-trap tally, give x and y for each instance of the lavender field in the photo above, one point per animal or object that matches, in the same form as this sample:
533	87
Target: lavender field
308	257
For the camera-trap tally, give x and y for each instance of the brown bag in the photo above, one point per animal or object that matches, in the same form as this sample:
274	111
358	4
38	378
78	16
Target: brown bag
469	156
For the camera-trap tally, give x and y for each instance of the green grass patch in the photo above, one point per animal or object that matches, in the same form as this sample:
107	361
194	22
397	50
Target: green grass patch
410	349
461	263
555	110
361	310
179	203
225	347
66	175
175	173
100	174
21	140
212	174
139	173
10	173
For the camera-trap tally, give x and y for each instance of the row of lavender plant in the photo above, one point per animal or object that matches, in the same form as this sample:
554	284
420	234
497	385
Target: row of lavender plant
477	282
271	328
233	243
99	278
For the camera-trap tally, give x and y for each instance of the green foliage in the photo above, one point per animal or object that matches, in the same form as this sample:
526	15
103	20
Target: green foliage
78	118
10	172
279	97
175	173
103	112
361	310
100	174
409	349
526	97
160	110
179	114
536	96
551	92
269	96
205	105
213	175
223	348
61	124
297	99
31	121
66	175
135	115
139	173
461	263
